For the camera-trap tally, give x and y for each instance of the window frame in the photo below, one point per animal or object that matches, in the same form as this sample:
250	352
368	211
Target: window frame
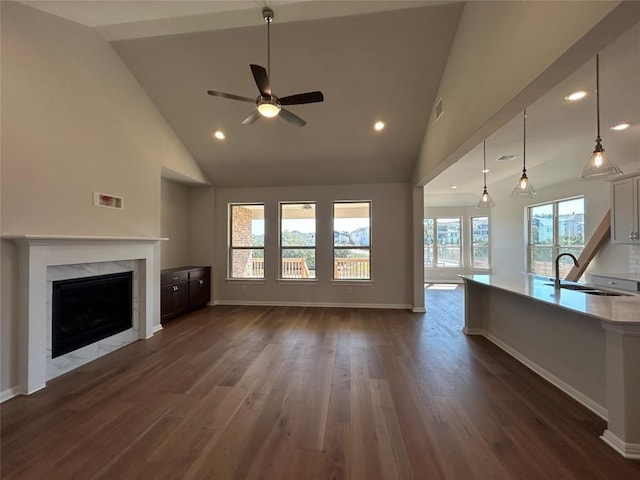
231	248
555	246
335	247
434	235
297	247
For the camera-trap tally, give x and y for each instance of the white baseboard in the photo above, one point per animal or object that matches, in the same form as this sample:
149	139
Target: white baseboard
548	376
157	328
313	304
9	394
419	310
627	450
472	331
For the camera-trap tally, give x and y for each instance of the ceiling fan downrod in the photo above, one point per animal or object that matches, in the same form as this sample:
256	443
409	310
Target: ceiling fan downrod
267	14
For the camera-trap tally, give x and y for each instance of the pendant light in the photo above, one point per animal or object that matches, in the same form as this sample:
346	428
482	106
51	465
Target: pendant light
599	165
524	188
485	199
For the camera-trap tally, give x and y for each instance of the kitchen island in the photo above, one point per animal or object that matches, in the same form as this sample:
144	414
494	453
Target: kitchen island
588	345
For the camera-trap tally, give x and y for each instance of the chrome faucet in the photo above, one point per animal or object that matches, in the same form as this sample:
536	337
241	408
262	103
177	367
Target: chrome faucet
556	282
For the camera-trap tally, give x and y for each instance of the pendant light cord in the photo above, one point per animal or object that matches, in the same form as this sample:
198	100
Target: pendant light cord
484	162
598	95
524	143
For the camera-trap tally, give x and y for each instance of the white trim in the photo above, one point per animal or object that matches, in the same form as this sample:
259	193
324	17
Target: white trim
419	310
312	304
472	331
627	450
548	376
9	393
352	282
297	281
157	328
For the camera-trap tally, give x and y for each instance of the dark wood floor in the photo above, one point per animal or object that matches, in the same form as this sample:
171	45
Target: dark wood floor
307	393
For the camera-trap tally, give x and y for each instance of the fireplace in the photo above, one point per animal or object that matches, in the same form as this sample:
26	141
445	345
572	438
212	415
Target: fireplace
44	260
86	310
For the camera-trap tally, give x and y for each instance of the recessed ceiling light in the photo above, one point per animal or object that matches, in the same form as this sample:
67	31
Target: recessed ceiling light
620	126
378	126
486	170
219	135
579	95
454	187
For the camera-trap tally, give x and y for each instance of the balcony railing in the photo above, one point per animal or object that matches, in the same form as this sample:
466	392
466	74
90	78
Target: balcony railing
343	268
351	268
291	268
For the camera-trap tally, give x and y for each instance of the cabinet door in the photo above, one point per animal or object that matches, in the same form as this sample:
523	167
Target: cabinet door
624	210
180	298
199	292
166	302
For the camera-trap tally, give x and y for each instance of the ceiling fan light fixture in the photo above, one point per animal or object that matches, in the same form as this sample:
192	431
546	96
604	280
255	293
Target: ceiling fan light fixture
599	165
268	108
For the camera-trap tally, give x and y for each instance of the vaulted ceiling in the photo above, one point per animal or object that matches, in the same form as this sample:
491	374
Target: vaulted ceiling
373	60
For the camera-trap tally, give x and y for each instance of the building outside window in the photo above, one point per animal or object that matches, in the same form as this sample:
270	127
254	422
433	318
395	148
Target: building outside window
554	228
246	241
298	240
352	240
442	242
480	242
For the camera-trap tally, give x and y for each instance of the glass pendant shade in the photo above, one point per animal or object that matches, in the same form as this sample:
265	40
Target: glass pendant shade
524	188
599	165
485	199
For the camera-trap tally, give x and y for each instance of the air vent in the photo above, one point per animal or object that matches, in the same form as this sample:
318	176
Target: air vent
438	109
507	158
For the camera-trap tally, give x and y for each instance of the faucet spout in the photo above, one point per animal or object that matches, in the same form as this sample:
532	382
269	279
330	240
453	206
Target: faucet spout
556	282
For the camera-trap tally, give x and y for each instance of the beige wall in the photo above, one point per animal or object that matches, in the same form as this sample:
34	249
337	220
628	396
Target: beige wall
391	248
506	55
175	224
74	121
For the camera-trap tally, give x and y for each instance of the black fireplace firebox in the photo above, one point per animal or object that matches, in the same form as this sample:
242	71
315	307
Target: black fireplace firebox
89	309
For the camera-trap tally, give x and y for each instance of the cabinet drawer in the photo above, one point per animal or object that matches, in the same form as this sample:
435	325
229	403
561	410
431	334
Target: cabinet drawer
200	273
615	283
170	277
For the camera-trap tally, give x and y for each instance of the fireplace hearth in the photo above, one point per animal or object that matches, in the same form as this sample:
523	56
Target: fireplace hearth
88	309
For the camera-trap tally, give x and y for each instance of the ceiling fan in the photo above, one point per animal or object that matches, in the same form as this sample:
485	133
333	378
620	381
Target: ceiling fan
267	104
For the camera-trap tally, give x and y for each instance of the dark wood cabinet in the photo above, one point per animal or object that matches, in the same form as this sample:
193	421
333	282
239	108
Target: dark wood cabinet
183	289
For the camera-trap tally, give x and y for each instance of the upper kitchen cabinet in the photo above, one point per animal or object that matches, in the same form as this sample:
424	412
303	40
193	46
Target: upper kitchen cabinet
625	210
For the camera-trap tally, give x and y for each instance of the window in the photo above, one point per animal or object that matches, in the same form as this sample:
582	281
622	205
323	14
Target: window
480	242
351	240
554	228
298	240
442	242
246	242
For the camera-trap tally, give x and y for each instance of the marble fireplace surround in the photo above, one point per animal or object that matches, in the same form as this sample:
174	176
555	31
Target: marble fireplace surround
38	253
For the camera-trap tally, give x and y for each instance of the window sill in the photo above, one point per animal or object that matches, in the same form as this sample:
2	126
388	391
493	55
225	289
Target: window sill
299	281
346	281
246	281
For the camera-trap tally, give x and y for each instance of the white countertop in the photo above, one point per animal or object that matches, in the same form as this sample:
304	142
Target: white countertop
618	310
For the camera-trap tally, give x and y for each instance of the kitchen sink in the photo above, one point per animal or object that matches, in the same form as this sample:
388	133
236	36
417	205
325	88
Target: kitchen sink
589	290
571	286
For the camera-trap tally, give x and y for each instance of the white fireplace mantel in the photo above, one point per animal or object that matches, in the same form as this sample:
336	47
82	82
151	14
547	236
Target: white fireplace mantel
38	252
